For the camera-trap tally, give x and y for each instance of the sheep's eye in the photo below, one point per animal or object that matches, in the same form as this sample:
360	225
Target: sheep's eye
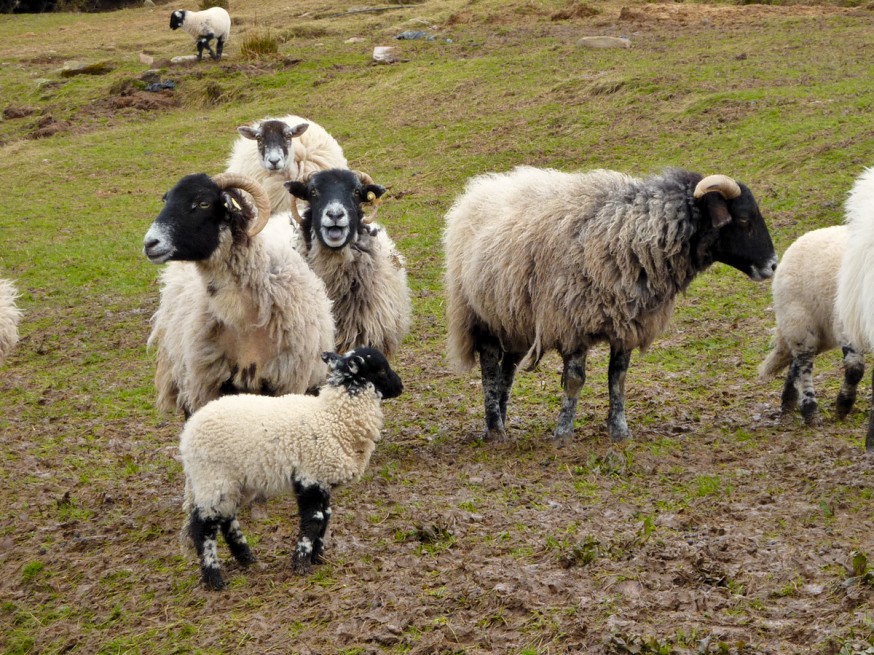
204	204
743	222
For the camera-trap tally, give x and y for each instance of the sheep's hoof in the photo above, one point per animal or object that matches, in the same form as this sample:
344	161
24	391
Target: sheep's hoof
618	434
301	565
844	406
495	434
212	578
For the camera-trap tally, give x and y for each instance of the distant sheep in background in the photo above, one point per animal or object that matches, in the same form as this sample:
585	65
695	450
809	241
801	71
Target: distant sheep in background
276	150
855	295
240	310
10	315
360	265
538	260
206	25
242	447
804	291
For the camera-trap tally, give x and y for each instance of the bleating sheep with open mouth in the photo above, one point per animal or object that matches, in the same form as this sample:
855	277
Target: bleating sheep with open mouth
540	260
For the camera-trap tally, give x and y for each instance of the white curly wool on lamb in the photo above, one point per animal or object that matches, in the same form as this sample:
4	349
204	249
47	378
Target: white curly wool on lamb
856	276
10	315
294	157
204	26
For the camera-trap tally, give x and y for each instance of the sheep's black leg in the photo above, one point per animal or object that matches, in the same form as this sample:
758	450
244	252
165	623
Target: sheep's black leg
219	46
869	437
789	399
236	541
854	369
573	377
200	46
809	408
496	389
204	533
312	500
617	426
508	371
203	44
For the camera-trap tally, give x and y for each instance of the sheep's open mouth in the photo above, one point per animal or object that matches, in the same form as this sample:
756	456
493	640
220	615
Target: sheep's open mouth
335	236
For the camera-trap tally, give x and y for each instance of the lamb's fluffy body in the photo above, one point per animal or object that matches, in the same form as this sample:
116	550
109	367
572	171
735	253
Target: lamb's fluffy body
804	291
314	150
204	26
241	447
10	315
540	259
855	291
240	315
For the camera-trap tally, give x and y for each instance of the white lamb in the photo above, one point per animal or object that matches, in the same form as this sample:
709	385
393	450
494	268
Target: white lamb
10	315
276	150
212	23
238	448
804	290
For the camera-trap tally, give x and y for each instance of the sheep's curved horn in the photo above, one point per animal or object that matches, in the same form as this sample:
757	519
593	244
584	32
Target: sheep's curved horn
371	197
294	212
722	184
251	186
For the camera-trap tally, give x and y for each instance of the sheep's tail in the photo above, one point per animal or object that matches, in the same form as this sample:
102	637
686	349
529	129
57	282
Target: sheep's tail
779	358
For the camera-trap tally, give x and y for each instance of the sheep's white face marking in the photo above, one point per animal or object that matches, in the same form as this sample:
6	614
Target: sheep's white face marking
158	244
335	225
274	157
765	272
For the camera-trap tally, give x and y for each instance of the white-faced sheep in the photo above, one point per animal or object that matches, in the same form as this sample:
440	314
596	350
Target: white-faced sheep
539	260
804	290
856	275
276	150
238	448
240	310
10	315
358	262
204	26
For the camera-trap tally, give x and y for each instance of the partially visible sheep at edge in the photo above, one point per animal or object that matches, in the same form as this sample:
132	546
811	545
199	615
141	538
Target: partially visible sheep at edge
204	26
276	150
10	315
804	290
856	275
240	310
360	265
241	447
540	260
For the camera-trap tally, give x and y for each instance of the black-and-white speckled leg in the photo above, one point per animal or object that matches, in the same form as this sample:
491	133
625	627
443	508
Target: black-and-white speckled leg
312	501
617	426
236	541
508	371
204	533
869	437
809	407
789	399
573	377
854	369
493	376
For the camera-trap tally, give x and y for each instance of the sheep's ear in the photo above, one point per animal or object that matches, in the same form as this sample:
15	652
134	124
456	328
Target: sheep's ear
297	130
717	207
249	132
376	189
331	359
298	189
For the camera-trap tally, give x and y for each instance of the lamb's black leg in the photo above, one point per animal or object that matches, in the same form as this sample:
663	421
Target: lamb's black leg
617	426
312	500
204	533
219	46
496	389
789	399
809	407
201	44
573	377
854	369
236	541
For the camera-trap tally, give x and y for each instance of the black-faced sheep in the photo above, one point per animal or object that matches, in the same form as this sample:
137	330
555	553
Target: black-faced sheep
804	290
856	274
358	262
10	315
204	26
276	150
240	310
238	448
539	260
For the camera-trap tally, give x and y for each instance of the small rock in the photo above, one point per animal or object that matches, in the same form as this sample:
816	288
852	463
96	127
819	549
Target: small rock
604	42
385	54
183	59
148	60
355	39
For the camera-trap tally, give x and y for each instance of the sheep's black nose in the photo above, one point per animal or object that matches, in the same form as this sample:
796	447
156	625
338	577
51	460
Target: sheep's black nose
335	214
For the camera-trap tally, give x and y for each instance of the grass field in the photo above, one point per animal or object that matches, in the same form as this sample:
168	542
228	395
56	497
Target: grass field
718	528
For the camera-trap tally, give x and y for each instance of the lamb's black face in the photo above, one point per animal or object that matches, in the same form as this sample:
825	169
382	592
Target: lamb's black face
335	198
744	242
189	225
176	19
357	368
274	138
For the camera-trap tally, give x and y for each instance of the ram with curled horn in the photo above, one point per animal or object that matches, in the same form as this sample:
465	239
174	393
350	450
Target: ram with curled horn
240	310
358	262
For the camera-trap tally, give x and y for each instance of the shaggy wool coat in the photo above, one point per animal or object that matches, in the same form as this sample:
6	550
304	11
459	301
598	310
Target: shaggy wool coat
10	315
856	275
